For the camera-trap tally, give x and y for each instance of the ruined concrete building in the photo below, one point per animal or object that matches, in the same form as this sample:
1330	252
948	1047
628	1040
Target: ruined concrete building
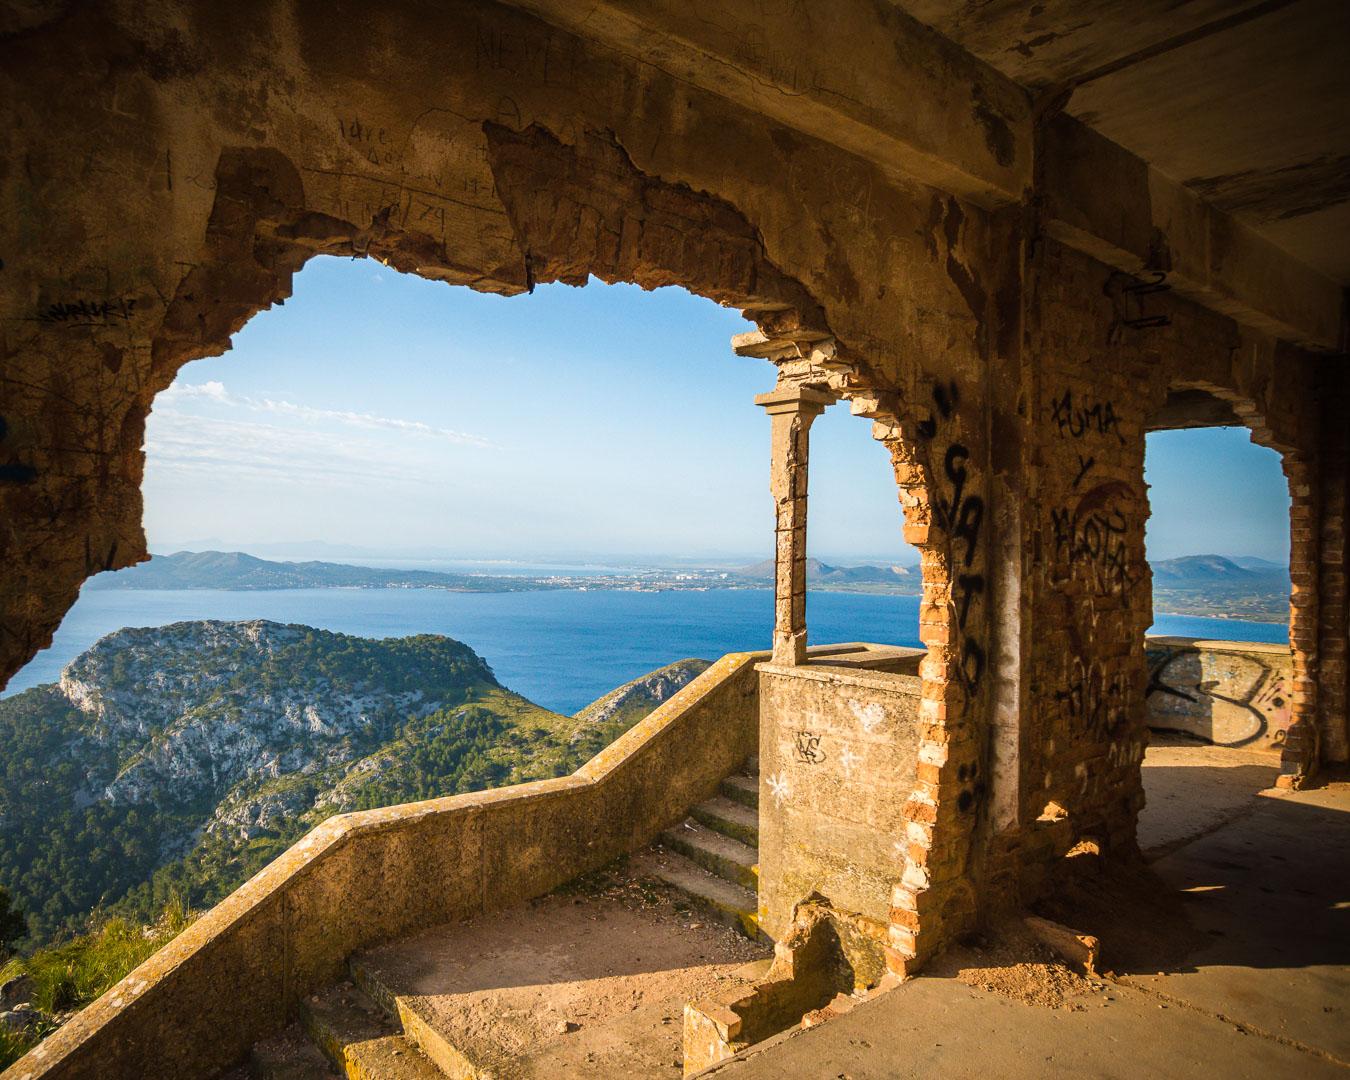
1014	240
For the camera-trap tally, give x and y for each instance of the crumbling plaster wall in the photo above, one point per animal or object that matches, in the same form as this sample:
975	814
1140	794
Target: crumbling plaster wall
170	166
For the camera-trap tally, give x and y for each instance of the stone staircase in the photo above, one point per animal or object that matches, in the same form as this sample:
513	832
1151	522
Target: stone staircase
712	857
343	1033
367	1028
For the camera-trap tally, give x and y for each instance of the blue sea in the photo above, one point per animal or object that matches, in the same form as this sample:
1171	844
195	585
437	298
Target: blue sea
561	649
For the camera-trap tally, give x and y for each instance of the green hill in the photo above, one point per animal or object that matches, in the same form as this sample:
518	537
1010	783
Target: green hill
168	765
178	760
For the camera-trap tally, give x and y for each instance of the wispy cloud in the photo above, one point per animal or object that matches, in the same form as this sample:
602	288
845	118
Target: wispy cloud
198	445
205	434
215	393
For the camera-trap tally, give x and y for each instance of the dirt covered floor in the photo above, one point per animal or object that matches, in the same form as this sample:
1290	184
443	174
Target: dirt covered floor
591	981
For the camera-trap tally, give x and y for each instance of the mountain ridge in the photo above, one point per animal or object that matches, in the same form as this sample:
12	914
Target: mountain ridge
1214	567
239	570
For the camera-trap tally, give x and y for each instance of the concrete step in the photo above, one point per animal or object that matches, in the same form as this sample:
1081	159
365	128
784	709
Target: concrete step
732	819
291	1055
451	1059
742	789
727	858
360	1039
719	899
579	983
752	765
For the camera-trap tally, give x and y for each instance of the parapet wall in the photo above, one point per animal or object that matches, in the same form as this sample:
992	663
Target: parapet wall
235	976
1232	693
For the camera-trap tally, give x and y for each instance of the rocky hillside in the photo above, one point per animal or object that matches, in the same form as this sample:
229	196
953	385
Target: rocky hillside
180	759
604	720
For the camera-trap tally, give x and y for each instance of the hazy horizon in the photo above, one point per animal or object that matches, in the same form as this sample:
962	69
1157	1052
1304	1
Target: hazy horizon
322	551
400	418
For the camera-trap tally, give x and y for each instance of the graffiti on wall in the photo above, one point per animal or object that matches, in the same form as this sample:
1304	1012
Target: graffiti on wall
807	747
1093	699
1091	537
1230	696
959	512
1078	419
1091	529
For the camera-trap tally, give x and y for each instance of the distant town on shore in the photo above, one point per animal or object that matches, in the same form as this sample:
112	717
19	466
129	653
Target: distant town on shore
1214	586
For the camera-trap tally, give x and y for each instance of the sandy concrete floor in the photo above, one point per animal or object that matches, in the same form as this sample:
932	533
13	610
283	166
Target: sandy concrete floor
1193	788
1229	957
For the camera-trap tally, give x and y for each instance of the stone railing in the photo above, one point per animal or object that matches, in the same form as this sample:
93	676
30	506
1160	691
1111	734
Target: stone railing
1233	693
235	975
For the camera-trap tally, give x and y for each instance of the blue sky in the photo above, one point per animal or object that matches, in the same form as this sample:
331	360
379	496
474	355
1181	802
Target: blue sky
389	415
1213	490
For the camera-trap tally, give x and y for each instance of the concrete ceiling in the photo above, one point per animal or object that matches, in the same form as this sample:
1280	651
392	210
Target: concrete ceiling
1247	103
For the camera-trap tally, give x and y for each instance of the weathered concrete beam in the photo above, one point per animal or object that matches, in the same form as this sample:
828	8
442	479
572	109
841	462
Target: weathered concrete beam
861	75
876	82
1099	198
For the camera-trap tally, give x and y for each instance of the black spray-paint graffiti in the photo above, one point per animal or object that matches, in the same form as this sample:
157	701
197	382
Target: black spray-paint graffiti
1076	421
87	312
1230	699
1084	467
960	514
1092	534
1094	701
808	748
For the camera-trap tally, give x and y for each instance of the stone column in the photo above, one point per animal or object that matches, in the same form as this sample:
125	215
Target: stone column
791	410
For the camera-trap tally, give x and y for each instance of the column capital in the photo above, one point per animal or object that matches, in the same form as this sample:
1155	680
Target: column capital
795	399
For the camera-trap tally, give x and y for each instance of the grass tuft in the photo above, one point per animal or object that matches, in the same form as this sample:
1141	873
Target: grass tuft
68	977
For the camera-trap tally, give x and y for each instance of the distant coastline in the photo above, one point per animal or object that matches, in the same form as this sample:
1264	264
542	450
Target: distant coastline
239	571
1243	588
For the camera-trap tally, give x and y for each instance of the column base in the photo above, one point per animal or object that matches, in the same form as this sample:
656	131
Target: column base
789	649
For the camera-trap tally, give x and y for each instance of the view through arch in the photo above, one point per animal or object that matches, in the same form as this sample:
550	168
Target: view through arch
1219	545
573	485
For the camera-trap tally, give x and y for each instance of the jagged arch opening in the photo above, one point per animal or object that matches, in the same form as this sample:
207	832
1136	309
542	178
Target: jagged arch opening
544	211
1261	697
552	212
566	213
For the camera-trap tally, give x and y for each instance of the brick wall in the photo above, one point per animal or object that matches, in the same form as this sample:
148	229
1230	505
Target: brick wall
1096	385
1334	468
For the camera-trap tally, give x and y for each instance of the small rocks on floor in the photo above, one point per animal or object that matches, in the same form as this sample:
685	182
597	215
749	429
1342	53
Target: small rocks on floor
564	1027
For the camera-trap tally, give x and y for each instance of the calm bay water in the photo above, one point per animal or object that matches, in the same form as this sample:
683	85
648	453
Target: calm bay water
560	649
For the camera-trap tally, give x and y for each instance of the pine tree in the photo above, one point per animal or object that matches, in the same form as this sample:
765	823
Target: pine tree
13	923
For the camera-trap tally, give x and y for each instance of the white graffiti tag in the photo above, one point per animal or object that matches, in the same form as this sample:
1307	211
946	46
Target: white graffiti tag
869	715
847	759
780	787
